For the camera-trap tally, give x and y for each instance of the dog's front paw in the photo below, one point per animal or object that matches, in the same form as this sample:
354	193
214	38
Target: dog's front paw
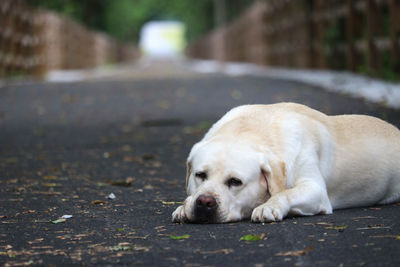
179	216
267	213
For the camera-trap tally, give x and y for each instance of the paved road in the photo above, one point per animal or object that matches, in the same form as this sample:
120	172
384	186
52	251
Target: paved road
65	147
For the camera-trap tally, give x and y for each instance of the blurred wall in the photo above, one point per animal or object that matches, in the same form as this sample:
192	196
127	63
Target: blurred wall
357	35
35	41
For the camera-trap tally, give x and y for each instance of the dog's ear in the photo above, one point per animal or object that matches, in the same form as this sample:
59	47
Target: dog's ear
188	172
189	166
273	176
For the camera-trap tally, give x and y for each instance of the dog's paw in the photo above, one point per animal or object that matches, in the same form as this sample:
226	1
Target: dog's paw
267	213
179	216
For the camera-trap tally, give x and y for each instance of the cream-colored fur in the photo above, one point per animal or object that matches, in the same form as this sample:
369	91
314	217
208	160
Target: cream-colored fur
292	159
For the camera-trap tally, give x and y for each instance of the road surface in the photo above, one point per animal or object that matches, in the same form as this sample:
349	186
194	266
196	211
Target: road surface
65	147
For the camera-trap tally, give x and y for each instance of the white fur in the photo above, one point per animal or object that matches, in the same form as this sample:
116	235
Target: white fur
313	163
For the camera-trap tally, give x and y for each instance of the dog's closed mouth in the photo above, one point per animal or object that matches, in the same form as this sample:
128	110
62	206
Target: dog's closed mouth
205	209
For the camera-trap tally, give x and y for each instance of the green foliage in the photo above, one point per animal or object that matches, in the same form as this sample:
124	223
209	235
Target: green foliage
123	19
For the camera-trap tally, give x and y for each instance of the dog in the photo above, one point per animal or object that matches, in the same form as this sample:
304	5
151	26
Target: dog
266	162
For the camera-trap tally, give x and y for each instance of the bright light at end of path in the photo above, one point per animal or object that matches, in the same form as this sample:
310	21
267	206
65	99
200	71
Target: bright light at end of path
162	38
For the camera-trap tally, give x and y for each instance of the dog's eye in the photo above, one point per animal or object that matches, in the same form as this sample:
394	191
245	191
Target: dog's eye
201	175
234	182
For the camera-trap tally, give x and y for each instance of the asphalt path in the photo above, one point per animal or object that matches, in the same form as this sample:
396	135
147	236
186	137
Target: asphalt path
65	147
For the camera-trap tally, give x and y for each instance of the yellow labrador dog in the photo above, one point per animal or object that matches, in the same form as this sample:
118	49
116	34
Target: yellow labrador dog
265	162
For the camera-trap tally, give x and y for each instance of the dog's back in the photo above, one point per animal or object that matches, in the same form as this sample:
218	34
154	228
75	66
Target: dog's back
367	148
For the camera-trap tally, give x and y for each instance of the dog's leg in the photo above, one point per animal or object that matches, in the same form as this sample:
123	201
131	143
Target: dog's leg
180	215
306	198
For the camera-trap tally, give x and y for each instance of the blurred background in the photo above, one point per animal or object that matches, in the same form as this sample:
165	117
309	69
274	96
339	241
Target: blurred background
37	36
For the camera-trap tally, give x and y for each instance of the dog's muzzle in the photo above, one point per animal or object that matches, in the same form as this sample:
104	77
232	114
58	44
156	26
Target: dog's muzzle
205	209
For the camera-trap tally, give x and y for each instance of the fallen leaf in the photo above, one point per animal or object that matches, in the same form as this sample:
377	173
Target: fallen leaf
339	228
224	250
364	217
148	187
99	202
156	164
38	240
377	226
131	159
252	237
29	211
61	220
127	182
171	202
141	237
49	184
120	247
179	237
324	223
141	248
50	177
160	228
295	253
11	253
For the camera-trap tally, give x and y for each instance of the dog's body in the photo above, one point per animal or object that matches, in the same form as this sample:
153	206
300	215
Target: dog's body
267	161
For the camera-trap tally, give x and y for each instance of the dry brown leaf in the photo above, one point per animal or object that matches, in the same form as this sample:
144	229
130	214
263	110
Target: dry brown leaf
324	223
148	187
128	182
295	253
50	177
224	250
38	240
171	202
29	211
99	202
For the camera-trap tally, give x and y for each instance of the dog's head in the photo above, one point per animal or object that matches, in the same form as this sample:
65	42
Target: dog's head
227	179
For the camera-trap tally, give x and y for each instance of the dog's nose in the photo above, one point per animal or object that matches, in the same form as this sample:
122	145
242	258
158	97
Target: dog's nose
205	210
206	201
